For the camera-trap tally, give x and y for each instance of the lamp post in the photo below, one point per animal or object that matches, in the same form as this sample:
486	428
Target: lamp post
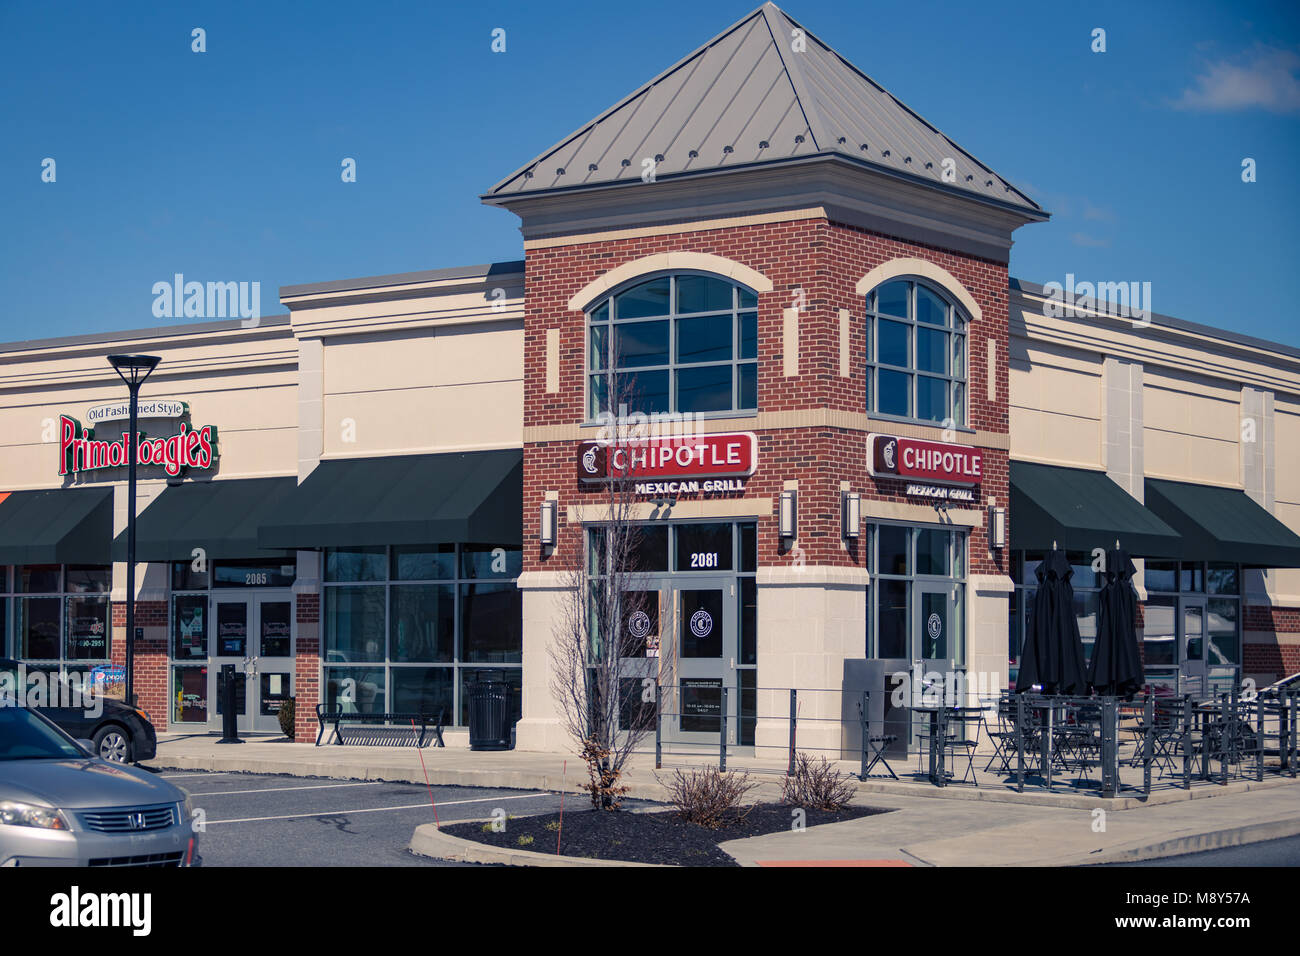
133	370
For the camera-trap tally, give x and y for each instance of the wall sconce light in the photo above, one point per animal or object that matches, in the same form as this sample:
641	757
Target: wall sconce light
789	514
550	511
851	511
997	528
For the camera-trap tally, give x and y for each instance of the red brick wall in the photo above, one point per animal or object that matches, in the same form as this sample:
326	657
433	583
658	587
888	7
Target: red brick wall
1266	617
150	677
825	260
306	678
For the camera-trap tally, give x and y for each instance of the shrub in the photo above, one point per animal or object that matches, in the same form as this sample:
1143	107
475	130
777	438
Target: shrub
709	797
286	717
816	785
525	840
602	778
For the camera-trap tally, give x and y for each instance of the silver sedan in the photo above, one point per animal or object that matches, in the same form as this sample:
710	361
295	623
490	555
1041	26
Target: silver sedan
60	806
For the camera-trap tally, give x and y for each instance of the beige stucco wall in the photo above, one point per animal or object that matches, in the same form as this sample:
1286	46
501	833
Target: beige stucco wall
432	389
241	380
1055	404
1192	427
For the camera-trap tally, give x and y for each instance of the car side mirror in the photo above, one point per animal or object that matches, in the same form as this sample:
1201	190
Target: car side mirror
88	745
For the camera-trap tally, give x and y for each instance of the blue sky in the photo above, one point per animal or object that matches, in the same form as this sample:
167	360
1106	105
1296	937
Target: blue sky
225	165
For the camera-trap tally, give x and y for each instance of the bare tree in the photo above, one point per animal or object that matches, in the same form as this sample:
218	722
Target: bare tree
604	665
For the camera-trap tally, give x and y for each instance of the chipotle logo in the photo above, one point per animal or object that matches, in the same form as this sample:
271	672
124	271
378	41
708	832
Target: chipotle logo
697	456
914	458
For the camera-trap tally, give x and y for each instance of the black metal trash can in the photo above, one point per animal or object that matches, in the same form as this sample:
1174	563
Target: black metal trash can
489	715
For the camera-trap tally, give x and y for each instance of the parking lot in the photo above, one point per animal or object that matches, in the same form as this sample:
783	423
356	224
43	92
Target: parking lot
277	820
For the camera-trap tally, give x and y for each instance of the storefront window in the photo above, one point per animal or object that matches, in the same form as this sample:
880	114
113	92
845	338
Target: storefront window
916	601
254	573
58	615
1084	581
686	343
403	626
916	353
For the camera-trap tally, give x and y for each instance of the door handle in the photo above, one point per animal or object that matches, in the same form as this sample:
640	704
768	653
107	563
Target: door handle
733	663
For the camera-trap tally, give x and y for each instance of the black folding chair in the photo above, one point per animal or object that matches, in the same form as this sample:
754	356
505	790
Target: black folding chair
964	735
875	746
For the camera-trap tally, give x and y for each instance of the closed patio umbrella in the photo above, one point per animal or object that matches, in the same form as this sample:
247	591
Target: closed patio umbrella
1116	667
1052	656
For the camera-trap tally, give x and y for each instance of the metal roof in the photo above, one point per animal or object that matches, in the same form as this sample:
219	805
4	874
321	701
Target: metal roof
745	98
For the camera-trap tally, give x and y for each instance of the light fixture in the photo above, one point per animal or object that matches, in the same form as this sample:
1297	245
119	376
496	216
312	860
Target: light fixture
789	515
550	511
851	511
997	528
132	370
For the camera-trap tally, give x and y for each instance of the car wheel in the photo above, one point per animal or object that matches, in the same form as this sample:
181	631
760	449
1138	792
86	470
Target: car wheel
113	744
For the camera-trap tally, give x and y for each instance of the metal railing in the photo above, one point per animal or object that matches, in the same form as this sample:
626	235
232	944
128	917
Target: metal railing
1038	736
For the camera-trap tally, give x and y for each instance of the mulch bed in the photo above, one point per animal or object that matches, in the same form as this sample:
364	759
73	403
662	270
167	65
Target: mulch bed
634	837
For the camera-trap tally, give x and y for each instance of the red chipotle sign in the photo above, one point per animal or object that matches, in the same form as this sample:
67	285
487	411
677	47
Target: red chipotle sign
918	460
692	456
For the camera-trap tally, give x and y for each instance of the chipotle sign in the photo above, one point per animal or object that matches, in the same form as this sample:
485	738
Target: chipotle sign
918	460
693	456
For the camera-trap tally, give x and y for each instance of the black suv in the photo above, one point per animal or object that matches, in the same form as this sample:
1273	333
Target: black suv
120	733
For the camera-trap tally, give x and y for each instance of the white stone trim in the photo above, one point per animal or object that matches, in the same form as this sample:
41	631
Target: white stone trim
922	514
659	511
911	266
990	583
668	261
790	342
813	575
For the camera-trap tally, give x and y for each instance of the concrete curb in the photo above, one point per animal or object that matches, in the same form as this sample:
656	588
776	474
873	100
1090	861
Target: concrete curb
1193	843
429	841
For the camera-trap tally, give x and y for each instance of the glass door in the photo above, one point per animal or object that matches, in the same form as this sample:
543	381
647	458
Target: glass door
254	633
1192	642
231	626
702	658
272	661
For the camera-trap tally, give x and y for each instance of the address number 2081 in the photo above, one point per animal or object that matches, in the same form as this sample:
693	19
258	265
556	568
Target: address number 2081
704	559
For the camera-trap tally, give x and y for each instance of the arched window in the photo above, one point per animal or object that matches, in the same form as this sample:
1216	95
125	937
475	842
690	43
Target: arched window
916	353
685	343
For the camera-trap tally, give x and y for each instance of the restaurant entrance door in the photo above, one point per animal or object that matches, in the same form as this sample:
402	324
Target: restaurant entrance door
253	630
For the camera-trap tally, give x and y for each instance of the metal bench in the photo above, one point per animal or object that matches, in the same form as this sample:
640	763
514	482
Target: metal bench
372	729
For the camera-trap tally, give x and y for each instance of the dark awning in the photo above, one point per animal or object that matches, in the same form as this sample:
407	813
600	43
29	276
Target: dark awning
221	517
1223	524
406	499
1081	510
57	526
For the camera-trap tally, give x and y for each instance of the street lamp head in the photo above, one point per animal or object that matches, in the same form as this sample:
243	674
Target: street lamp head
134	369
149	362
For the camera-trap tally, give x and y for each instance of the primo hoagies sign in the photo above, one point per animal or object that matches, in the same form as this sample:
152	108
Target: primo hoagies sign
725	461
81	451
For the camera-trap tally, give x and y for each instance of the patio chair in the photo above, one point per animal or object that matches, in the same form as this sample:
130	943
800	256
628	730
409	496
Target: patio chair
964	732
1002	734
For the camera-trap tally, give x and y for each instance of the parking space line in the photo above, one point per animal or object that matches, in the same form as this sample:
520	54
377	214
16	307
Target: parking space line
177	776
412	806
322	786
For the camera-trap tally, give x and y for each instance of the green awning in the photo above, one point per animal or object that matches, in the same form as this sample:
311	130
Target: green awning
406	499
1223	524
221	517
57	526
1082	510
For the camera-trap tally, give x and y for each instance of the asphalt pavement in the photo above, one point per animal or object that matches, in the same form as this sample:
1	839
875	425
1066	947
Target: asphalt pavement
279	820
1284	852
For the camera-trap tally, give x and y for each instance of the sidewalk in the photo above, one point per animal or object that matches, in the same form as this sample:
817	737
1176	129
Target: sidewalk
950	826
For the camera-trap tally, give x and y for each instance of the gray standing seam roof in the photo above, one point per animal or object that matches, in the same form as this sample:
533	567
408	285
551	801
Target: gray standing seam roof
746	98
